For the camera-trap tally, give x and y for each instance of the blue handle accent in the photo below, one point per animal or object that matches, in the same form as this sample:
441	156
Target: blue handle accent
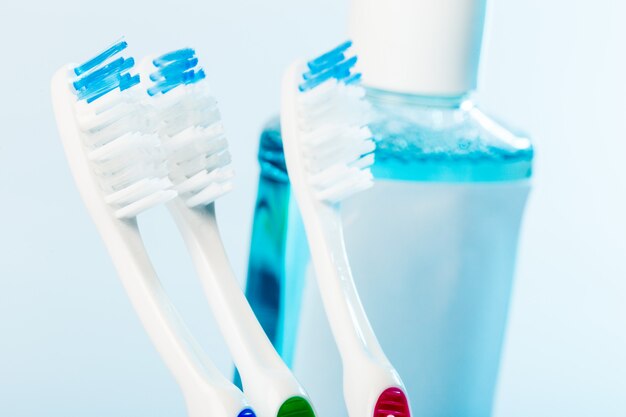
246	412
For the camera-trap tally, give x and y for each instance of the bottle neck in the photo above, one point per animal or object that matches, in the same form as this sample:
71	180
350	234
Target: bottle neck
383	98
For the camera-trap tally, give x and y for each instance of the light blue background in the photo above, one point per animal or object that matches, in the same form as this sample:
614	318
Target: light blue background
70	344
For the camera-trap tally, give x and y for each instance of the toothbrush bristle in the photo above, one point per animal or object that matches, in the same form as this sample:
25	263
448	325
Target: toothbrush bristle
128	162
192	133
336	142
173	69
101	75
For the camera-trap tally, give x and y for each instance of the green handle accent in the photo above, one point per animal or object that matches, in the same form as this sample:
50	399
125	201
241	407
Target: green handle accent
296	407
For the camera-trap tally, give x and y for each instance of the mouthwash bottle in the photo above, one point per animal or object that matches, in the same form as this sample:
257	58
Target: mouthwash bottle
433	244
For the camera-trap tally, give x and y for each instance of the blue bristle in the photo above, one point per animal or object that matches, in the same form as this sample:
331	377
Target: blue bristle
178	55
110	70
96	94
127	81
353	79
329	58
333	64
97	78
174	69
99	59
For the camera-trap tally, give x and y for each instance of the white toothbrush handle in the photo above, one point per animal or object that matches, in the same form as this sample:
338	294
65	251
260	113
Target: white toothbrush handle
266	379
372	387
206	390
367	371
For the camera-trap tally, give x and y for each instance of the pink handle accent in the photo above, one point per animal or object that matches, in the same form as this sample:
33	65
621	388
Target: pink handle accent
392	403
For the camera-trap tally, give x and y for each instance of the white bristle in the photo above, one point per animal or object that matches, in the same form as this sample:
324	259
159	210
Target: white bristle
193	138
336	143
129	164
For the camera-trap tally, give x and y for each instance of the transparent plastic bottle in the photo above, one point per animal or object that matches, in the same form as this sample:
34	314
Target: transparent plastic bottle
432	247
272	255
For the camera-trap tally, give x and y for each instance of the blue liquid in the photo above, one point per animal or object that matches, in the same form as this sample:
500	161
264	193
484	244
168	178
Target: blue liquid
444	140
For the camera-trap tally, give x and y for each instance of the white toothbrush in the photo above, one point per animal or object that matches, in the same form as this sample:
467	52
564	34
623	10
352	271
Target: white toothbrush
120	171
328	150
193	137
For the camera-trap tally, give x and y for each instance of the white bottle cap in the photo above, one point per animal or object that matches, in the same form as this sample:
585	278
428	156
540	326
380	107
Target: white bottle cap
426	47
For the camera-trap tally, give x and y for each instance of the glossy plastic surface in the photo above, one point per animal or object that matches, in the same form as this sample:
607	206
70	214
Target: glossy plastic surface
296	407
392	402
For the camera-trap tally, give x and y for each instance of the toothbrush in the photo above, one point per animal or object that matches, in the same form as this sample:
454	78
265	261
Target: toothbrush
192	135
328	150
120	172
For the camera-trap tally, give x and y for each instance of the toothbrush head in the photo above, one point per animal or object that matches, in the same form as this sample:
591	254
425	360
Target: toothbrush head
190	128
98	110
331	115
